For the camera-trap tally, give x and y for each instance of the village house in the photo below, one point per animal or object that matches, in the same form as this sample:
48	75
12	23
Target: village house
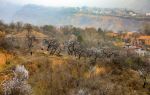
127	38
144	40
133	42
147	14
132	14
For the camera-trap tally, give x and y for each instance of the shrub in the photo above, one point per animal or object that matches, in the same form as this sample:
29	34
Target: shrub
18	85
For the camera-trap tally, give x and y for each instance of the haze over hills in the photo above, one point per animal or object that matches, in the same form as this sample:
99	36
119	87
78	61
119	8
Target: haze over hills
110	19
142	5
7	10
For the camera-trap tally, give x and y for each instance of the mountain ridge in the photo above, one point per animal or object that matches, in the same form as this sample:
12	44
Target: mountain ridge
76	16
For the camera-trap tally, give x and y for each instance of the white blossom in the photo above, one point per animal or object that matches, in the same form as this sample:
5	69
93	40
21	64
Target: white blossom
18	85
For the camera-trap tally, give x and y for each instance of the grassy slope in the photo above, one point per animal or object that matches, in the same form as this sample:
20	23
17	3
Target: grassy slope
69	69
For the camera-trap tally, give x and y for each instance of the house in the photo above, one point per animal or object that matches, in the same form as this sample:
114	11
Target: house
132	14
147	14
144	40
127	35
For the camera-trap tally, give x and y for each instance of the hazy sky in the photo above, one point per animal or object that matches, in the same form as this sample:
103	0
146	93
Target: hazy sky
141	4
66	2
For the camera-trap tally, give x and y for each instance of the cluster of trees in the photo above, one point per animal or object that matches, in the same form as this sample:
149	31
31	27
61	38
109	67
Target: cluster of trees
17	27
76	48
62	34
12	27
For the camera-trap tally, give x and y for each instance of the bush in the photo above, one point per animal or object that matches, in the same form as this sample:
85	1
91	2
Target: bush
18	85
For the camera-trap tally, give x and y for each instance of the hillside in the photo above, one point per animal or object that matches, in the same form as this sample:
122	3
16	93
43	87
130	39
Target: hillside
101	77
44	60
107	22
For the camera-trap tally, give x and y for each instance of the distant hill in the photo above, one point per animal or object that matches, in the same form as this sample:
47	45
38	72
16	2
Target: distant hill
44	15
80	17
108	22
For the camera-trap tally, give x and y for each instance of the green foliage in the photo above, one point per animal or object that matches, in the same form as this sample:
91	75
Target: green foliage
80	39
76	31
48	28
100	30
129	61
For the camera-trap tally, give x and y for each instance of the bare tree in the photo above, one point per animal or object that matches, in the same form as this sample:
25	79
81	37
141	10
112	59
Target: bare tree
75	48
19	26
53	46
30	37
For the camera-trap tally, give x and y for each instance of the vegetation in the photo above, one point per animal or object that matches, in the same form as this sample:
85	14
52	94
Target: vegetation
68	61
146	29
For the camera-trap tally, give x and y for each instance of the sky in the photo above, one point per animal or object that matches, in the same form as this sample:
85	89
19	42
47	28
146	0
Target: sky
64	2
139	4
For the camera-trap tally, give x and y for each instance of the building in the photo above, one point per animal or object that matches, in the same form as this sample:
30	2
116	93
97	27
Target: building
147	14
127	35
144	40
132	14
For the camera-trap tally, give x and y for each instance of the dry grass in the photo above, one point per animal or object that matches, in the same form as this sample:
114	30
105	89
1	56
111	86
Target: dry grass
65	75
